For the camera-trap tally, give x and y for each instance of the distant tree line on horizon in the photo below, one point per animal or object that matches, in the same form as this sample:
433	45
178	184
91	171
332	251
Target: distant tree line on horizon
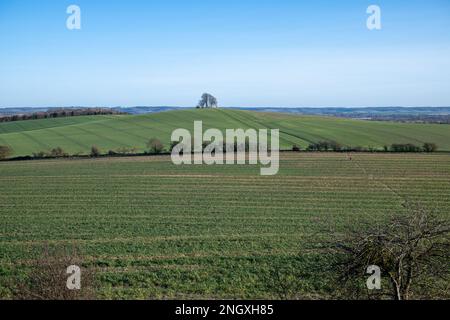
437	119
59	113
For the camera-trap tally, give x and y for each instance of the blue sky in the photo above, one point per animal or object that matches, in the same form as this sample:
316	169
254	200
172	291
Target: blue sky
247	53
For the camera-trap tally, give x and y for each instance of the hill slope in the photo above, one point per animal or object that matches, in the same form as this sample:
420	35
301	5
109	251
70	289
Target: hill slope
78	134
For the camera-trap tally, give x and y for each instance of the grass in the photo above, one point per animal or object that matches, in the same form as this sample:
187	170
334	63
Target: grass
76	135
155	230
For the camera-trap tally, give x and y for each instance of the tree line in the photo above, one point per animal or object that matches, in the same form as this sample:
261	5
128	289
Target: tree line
155	146
59	113
395	147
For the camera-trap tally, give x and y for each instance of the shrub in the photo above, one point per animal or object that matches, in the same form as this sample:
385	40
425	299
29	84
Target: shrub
335	146
408	147
429	147
354	149
58	152
47	277
95	151
40	154
155	145
325	146
125	151
411	246
5	152
360	149
295	148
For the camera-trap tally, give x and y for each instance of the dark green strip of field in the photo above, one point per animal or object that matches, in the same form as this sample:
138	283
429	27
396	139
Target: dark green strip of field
151	229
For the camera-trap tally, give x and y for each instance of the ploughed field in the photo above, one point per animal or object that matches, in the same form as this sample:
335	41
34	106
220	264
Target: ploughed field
151	229
76	135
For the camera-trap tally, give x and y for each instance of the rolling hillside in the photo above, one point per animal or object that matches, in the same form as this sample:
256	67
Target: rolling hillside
110	132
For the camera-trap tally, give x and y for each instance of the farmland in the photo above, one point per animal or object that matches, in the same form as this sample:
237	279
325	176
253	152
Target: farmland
151	229
76	135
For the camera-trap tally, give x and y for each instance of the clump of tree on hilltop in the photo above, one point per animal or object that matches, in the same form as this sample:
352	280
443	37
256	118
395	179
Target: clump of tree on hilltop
208	101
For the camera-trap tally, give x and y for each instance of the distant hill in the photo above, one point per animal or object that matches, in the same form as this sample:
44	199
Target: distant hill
419	114
110	132
145	110
351	110
360	112
401	114
7	111
12	111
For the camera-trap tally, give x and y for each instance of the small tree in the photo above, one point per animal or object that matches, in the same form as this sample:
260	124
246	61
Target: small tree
410	246
5	152
335	146
155	145
296	148
405	147
40	154
429	147
125	151
95	151
323	145
58	152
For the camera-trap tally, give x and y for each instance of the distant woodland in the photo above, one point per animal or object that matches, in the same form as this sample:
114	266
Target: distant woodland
58	113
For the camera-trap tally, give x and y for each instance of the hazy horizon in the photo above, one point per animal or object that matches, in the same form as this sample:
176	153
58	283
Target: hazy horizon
243	106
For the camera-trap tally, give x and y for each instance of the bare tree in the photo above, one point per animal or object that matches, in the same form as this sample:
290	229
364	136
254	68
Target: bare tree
46	278
429	147
5	152
58	152
95	151
412	245
208	101
155	145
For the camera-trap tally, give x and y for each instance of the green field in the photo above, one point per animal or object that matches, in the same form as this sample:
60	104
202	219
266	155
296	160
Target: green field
151	229
76	135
